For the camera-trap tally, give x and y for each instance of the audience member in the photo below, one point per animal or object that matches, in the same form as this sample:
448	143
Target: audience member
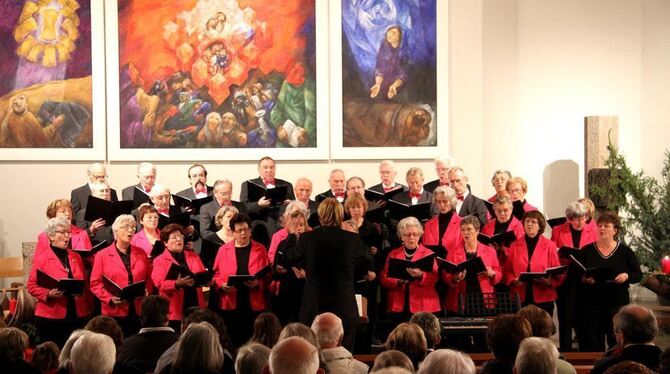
542	326
64	357
447	361
300	330
392	370
503	336
431	327
198	351
336	359
294	355
635	328
392	359
13	342
142	351
629	367
266	329
536	356
252	358
45	358
107	326
93	354
409	339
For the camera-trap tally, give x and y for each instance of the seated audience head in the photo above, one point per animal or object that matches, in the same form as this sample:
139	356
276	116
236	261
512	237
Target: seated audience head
155	311
148	216
444	197
629	367
45	357
107	326
303	190
13	342
252	358
146	173
392	370
499	181
336	181
223	191
442	166
458	180
590	208
266	329
298	329
223	216
64	357
267	169
294	355
160	196
409	339
60	208
330	213
414	179
503	209
355	185
198	350
328	329
410	231
197	175
504	334
430	325
206	315
124	227
355	205
536	355
447	361
609	219
517	188
635	324
101	190
56	230
387	172
96	172
392	358
93	354
541	323
534	223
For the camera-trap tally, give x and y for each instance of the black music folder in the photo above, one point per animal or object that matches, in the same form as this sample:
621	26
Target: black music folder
489	207
89	252
376	214
200	278
556	221
567	252
474	266
381	196
194	205
439	250
277	195
599	274
517	209
238	280
69	286
398	267
505	238
129	292
529	276
107	210
183	219
421	211
157	249
140	197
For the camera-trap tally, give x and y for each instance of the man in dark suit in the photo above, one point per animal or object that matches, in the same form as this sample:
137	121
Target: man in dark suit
264	212
223	193
387	174
303	193
467	203
146	172
336	182
197	177
79	196
442	166
635	328
329	257
141	352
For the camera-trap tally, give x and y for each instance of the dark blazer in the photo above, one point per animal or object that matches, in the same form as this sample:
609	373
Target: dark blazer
476	206
257	212
103	233
431	186
128	193
195	216
207	217
426	197
380	188
79	197
647	355
189	194
142	351
330	256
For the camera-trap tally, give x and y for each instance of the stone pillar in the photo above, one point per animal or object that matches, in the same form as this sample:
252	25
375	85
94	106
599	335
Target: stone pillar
598	132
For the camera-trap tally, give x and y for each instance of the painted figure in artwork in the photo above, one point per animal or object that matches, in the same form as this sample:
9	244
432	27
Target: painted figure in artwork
390	72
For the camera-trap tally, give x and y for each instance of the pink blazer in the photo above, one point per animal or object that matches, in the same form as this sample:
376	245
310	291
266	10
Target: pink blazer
168	289
79	238
225	265
451	237
561	236
490	259
274	243
141	241
48	262
108	263
423	297
545	256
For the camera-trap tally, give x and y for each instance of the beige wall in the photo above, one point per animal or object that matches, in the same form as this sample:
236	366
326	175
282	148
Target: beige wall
523	74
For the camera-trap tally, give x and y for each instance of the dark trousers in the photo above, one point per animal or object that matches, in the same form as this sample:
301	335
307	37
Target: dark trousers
596	327
566	304
56	330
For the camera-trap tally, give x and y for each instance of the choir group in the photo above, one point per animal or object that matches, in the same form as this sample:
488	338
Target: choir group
419	247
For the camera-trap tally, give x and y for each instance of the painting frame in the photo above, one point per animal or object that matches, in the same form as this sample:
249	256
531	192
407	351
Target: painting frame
98	116
116	153
338	151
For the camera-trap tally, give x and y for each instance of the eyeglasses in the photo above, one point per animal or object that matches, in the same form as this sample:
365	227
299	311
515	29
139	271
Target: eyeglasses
242	231
64	232
128	228
176	237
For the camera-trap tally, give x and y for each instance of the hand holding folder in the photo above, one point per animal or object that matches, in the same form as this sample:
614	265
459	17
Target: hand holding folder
398	268
239	280
68	286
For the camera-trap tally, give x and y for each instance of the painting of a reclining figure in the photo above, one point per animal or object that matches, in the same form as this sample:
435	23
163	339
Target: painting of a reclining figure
389	73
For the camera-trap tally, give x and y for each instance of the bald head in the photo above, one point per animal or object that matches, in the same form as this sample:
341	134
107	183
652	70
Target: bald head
294	355
328	329
635	324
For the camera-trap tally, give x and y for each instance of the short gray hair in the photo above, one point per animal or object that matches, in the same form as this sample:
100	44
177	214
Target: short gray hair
252	358
145	166
296	205
536	355
637	324
300	330
53	224
506	172
64	357
575	210
408	222
447	361
157	189
98	186
294	355
93	354
448	192
120	220
222	181
328	333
